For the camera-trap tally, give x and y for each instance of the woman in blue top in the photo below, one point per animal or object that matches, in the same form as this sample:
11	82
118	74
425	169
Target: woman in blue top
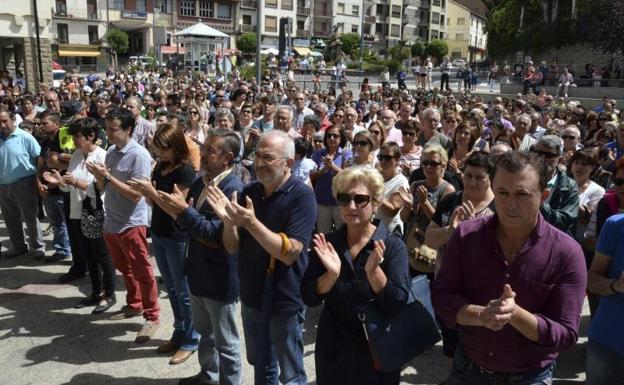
329	162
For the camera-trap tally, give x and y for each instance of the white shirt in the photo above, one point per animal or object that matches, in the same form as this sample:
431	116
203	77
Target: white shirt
390	187
77	167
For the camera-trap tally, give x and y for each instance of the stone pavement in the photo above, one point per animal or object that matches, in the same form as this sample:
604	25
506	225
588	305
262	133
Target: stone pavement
45	341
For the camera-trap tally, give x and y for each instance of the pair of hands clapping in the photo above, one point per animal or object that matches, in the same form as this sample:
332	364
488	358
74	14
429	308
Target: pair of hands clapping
330	259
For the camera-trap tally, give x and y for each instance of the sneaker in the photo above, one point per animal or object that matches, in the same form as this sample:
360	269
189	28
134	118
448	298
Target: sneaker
91	300
126	312
104	304
54	257
38	254
147	331
12	253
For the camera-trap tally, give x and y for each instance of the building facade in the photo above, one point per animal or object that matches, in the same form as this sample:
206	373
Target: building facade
18	41
424	20
466	36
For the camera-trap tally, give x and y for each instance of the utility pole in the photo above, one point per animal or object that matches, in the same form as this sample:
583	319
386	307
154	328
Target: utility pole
362	38
38	42
258	42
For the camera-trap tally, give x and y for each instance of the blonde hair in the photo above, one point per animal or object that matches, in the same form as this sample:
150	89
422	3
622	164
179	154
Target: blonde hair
435	148
369	177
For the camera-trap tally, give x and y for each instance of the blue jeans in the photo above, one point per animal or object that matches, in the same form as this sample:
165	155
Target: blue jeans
604	365
219	347
466	372
171	256
54	208
286	335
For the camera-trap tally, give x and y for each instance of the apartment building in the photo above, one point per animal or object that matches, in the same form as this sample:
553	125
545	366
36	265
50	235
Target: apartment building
424	20
383	23
18	46
466	36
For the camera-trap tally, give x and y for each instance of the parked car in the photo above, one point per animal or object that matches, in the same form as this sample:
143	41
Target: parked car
458	63
58	76
143	61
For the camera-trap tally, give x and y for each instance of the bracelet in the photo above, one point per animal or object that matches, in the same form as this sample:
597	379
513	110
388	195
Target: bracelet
612	287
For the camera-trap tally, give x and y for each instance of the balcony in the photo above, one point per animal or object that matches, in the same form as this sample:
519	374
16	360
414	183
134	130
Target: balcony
248	28
368	37
322	13
76	14
248	4
370	19
303	33
301	11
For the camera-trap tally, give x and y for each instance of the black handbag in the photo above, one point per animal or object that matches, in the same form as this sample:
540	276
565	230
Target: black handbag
395	340
92	219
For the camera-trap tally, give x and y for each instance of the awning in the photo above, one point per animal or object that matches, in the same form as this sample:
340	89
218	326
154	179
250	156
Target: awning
302	51
172	50
64	52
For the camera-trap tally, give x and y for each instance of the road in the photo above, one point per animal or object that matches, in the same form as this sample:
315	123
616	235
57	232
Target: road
44	340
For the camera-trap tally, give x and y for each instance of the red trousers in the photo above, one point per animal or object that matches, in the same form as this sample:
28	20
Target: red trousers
129	252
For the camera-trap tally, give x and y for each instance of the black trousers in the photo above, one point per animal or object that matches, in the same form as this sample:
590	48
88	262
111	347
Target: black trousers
99	262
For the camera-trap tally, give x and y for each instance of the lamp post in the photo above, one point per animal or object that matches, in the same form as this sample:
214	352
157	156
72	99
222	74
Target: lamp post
362	39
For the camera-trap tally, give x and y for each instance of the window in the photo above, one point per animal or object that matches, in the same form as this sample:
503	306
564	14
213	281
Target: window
459	36
435	18
461	21
441	37
247	19
379	28
140	5
436	3
205	9
434	34
442	18
355	10
395	30
187	8
341	8
162	5
448	21
224	11
92	9
396	11
380	10
93	35
61	7
271	4
456	55
62	34
287	5
354	28
117	4
341	27
270	23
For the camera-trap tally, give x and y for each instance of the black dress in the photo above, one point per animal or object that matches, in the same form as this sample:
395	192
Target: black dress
342	354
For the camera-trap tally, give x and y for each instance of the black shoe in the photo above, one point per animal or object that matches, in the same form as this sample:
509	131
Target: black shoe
56	257
70	276
91	300
15	253
194	380
104	304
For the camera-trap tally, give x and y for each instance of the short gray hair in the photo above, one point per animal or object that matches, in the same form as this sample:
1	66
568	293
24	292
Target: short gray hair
287	145
289	109
552	141
430	112
225	113
524	116
322	106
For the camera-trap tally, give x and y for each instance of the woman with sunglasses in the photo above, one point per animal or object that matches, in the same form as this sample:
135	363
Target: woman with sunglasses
410	151
394	181
378	133
358	262
196	129
329	162
362	145
173	172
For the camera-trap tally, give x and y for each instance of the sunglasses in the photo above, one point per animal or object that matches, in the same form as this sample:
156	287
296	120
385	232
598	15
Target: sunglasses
545	154
618	181
360	200
338	116
430	163
194	112
360	143
375	132
568	137
332	136
410	133
318	141
386	158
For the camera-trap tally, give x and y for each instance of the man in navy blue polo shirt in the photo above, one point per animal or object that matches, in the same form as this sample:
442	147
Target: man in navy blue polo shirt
276	207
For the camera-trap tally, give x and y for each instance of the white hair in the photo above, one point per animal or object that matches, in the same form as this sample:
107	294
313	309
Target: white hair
286	108
286	144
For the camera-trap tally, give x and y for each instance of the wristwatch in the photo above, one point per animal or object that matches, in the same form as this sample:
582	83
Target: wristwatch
106	179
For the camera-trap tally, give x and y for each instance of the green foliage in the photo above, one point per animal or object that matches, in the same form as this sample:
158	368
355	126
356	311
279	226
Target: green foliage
418	49
118	41
600	21
373	67
437	49
249	71
399	53
246	43
394	66
350	42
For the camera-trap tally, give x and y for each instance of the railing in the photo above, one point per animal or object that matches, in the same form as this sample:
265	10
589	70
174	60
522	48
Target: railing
322	13
303	11
322	33
77	14
370	19
303	33
248	4
248	28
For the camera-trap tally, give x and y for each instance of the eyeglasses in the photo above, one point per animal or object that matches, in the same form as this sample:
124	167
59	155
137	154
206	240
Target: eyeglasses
332	136
360	200
338	116
318	141
246	111
386	158
194	112
408	133
430	163
360	143
568	137
545	154
618	181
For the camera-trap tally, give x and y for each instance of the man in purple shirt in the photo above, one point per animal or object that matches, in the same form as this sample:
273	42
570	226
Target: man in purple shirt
511	284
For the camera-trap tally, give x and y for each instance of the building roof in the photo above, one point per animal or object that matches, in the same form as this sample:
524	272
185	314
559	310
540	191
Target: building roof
200	30
475	6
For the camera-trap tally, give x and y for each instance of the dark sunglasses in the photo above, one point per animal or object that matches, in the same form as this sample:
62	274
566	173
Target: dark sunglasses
430	163
194	112
374	132
568	137
360	200
360	143
545	154
409	133
386	158
618	181
318	141
332	136
338	116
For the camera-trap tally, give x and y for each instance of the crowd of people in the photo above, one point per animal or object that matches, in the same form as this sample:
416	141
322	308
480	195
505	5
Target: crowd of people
275	198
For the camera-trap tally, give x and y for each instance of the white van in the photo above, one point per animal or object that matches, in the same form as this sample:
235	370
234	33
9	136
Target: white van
58	76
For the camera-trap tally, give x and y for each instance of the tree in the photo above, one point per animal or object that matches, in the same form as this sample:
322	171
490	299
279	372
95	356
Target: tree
437	49
350	42
118	42
418	49
600	21
246	43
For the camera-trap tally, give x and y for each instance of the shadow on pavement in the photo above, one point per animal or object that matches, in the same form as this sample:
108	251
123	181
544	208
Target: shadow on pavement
101	379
